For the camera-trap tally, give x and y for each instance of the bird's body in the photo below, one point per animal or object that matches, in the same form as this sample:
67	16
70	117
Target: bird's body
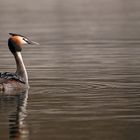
19	79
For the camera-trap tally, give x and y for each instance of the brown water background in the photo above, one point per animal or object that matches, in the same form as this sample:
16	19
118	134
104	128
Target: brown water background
84	75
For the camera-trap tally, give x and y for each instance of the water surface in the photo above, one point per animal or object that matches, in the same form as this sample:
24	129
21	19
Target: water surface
84	75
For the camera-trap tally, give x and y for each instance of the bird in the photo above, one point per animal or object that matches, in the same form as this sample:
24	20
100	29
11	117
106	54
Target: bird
18	79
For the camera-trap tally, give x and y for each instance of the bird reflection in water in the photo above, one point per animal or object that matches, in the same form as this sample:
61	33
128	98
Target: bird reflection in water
17	125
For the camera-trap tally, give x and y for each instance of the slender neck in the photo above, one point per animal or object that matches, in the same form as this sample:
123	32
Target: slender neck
21	70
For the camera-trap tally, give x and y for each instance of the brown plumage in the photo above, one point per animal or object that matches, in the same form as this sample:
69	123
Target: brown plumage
19	79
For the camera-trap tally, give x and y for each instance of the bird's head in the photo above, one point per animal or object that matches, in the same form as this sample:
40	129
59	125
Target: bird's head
16	41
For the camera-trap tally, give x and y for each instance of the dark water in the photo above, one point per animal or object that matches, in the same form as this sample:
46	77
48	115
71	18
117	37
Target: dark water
84	75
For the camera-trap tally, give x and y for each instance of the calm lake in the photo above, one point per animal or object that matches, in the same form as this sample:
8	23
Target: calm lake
84	76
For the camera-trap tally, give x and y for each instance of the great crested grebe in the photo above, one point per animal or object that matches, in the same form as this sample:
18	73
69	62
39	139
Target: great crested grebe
19	79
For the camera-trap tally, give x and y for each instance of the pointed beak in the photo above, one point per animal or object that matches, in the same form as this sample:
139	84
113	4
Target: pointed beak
33	43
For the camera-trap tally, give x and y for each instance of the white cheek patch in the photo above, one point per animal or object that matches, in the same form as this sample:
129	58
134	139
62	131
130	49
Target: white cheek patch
21	40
